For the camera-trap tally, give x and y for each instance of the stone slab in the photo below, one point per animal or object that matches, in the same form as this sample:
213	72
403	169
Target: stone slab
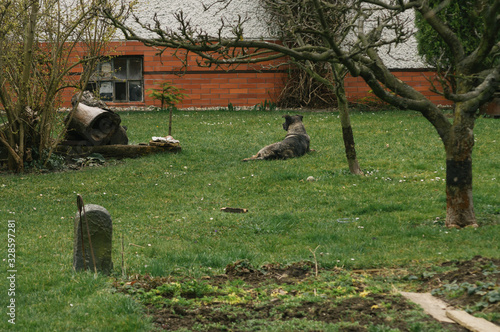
431	305
443	312
474	324
100	227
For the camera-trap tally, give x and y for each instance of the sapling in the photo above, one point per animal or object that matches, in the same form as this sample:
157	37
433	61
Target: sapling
168	95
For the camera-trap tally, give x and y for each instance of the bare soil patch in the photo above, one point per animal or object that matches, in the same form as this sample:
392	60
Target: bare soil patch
468	284
361	309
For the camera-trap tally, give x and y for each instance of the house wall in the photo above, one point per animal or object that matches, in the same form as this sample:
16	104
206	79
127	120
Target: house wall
255	24
245	85
205	87
420	79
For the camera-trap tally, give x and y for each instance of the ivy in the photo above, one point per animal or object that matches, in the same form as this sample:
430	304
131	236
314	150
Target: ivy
462	17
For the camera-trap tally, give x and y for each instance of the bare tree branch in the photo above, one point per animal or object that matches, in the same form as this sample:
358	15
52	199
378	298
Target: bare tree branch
481	93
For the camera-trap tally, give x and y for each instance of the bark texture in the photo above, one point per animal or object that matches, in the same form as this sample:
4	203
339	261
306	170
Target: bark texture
350	151
459	145
459	204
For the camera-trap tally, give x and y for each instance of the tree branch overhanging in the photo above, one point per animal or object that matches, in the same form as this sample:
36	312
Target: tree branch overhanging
481	92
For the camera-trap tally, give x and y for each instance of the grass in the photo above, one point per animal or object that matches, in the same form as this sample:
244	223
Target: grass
167	208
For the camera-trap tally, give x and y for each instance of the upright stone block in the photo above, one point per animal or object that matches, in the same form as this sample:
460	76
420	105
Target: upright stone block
101	234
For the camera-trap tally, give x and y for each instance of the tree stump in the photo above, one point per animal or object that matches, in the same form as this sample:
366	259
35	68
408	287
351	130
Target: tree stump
101	235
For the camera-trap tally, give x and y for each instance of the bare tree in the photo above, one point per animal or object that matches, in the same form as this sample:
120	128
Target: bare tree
378	23
39	41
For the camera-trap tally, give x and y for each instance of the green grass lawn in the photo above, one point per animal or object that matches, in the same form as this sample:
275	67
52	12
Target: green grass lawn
167	208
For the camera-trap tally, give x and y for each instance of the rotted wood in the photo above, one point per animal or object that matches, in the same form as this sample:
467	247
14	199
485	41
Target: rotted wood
94	124
115	151
234	210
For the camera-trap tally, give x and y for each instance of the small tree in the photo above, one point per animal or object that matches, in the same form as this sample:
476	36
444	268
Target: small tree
38	43
168	95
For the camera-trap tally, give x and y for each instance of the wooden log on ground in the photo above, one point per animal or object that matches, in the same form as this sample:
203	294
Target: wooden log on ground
117	151
93	124
119	137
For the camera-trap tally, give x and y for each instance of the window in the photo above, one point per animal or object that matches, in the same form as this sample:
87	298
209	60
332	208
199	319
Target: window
118	80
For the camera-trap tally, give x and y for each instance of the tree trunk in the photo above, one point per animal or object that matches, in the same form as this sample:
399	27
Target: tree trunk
345	120
16	159
459	203
350	151
13	158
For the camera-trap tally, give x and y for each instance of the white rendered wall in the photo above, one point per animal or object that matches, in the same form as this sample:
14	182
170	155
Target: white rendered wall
403	56
209	21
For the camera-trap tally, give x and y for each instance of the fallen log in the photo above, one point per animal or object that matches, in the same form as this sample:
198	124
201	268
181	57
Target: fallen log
96	125
116	151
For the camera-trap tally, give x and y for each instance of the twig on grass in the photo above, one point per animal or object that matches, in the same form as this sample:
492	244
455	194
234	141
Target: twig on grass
315	260
124	272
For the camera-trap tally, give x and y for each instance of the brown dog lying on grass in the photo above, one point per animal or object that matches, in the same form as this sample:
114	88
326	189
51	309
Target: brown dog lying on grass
295	144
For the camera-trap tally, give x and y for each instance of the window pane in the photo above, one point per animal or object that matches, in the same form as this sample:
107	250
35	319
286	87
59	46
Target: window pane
106	70
120	68
135	90
120	91
135	69
106	91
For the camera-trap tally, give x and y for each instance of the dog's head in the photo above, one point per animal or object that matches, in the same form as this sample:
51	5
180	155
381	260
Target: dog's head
289	120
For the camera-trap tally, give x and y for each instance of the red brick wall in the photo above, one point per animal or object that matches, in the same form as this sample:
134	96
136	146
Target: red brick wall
245	85
358	91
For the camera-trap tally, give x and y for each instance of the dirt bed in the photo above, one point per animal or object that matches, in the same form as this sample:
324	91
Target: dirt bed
250	299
